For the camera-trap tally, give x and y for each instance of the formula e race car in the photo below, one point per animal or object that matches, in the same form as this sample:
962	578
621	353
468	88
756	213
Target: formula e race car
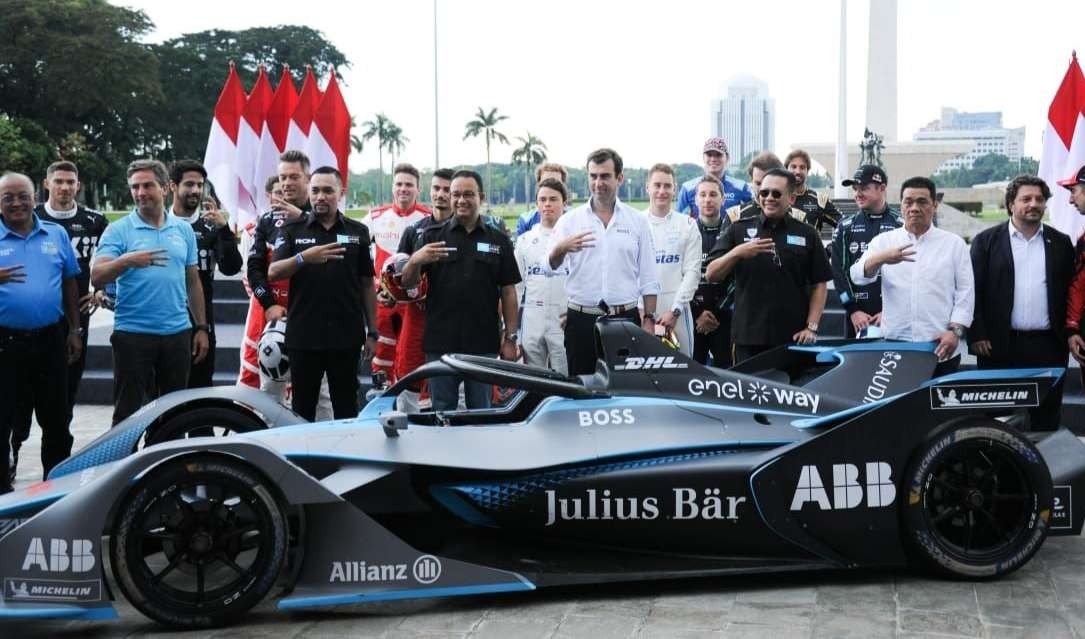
839	455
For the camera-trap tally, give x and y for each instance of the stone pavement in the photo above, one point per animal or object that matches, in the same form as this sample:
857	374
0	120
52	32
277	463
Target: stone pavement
1045	599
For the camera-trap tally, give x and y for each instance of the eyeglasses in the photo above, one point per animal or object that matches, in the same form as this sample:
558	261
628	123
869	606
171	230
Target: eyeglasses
10	199
775	193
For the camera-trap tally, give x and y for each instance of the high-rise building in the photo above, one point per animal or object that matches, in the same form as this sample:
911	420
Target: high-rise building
983	130
746	118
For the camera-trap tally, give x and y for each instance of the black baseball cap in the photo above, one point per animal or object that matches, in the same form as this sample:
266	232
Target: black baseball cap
866	174
1077	179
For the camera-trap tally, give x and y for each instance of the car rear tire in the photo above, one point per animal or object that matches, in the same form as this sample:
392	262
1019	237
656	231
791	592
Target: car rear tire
979	496
209	421
198	542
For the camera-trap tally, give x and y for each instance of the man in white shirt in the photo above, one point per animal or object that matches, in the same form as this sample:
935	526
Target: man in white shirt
543	302
1023	271
928	290
678	256
608	249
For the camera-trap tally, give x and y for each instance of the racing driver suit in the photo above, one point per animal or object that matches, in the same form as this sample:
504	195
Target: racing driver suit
850	240
543	302
712	297
678	266
735	192
386	225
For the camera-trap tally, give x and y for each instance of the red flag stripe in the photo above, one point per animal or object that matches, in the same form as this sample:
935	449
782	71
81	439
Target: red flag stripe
257	103
307	103
333	120
230	105
1068	103
282	107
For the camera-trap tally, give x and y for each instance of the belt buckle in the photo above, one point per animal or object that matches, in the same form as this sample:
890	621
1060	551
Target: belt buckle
603	307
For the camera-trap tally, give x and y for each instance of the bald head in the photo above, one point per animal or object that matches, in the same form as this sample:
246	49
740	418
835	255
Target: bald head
17	178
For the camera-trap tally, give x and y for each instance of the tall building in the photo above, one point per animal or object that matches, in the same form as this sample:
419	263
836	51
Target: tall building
982	130
746	118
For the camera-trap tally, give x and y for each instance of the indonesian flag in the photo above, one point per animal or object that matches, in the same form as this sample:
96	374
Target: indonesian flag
1064	148
273	137
301	119
329	137
248	146
221	150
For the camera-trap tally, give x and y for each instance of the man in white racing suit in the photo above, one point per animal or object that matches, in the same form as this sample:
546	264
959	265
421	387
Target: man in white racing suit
542	291
678	257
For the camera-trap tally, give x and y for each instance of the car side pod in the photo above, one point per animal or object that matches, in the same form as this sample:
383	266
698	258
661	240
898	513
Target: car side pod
392	422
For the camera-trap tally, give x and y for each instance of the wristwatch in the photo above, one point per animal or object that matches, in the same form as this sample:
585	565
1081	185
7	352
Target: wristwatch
202	327
957	330
650	316
511	338
676	312
812	327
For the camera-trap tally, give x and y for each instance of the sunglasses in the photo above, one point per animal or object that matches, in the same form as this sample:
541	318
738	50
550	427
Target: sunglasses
775	193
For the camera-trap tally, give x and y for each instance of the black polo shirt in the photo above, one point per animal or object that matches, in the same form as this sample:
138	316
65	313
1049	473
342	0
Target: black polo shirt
325	309
772	300
464	288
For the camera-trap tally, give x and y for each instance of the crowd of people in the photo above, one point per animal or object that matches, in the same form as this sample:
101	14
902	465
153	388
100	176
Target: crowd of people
720	268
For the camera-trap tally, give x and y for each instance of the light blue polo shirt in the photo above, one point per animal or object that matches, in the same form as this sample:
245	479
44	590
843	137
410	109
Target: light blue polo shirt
47	258
154	299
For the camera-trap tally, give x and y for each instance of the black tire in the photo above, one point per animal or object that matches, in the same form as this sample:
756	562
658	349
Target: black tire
203	422
979	496
194	522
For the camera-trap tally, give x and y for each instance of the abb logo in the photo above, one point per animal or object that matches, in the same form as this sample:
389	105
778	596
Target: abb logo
80	557
848	493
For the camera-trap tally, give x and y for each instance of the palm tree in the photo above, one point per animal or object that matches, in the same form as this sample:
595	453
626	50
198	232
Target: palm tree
485	123
378	128
394	141
530	153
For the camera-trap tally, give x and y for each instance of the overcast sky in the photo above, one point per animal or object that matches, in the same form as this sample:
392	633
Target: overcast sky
639	76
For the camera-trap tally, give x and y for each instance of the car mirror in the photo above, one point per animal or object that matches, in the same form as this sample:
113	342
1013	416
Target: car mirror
392	422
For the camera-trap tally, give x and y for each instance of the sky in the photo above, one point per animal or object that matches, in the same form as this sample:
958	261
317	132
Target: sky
640	76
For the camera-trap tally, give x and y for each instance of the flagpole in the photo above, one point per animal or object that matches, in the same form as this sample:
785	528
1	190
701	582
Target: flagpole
841	170
436	119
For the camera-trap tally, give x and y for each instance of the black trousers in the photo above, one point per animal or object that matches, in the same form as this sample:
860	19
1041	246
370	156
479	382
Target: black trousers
307	368
580	342
147	366
744	352
1034	349
33	369
717	343
202	375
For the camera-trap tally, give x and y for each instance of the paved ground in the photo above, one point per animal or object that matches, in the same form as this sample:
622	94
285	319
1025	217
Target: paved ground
1045	599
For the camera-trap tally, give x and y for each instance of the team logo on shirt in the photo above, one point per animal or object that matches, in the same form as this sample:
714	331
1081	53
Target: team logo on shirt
484	247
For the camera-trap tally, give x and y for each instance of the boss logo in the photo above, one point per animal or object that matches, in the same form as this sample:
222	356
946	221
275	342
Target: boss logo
605	417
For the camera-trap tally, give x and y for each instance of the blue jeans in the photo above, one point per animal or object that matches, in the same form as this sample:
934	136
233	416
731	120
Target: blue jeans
444	392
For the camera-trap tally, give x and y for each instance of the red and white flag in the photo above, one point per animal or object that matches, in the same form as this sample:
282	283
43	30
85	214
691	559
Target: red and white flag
301	120
1064	148
219	158
273	138
248	146
329	137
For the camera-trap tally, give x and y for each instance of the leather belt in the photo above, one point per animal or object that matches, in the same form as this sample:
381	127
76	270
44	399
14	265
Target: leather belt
617	309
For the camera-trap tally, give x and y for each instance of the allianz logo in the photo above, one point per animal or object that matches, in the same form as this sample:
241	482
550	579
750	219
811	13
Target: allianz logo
425	570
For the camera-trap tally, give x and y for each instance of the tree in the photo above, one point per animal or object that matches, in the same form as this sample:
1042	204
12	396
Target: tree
530	153
395	142
379	127
484	124
24	146
194	68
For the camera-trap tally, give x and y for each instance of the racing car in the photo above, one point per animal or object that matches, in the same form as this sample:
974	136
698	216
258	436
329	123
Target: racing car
831	456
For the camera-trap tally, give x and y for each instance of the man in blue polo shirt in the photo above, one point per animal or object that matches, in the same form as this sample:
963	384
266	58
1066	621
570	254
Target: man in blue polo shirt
39	322
152	257
735	192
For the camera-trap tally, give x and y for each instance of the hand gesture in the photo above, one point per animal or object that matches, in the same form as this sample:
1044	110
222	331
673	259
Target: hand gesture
89	303
576	243
898	254
323	253
150	257
758	246
668	320
280	205
212	215
706	323
861	320
12	274
431	253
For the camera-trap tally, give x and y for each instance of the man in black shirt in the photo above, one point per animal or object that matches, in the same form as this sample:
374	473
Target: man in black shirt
332	305
470	266
215	245
711	317
818	210
85	227
781	272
